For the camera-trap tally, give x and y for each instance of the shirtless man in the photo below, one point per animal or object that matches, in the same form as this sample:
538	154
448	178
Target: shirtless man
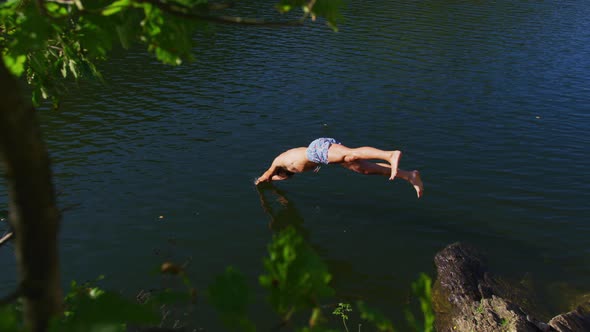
329	151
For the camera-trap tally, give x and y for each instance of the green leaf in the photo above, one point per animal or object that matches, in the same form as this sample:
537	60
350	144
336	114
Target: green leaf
327	9
342	309
16	64
422	290
73	68
95	292
284	8
330	10
64	70
115	7
71	37
10	3
167	57
96	35
56	9
296	276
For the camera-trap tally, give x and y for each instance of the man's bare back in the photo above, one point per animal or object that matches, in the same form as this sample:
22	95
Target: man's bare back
327	150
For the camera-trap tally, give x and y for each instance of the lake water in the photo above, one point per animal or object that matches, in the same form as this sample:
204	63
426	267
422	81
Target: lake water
489	100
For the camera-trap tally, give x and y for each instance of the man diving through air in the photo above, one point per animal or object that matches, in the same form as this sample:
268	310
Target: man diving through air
329	151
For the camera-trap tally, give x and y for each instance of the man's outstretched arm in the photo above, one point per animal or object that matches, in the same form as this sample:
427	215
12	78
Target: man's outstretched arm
268	175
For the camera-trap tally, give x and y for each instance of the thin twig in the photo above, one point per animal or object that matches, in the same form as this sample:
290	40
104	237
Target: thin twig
6	238
63	2
309	9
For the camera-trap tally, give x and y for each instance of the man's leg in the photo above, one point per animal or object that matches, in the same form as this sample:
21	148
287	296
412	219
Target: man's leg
338	153
369	168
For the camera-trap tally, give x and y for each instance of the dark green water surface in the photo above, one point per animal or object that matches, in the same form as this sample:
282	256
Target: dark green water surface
489	100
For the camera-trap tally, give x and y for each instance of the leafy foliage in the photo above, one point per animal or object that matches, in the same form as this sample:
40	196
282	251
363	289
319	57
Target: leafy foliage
65	39
89	308
342	310
296	276
329	9
422	290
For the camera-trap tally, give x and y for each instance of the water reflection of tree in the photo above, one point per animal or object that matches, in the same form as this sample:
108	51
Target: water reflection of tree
282	212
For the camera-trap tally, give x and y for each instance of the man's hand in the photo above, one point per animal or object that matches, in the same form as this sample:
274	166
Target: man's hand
261	179
266	176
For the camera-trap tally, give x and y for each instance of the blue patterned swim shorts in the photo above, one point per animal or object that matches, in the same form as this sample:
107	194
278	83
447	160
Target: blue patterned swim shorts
317	151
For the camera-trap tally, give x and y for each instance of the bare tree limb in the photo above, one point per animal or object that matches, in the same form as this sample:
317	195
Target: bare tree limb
6	238
186	12
62	2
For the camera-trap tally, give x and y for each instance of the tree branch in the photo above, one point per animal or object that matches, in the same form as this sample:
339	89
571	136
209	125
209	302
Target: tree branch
41	7
63	2
220	6
6	238
33	213
185	12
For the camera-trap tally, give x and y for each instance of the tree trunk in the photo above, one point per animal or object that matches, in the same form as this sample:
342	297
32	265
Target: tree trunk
32	209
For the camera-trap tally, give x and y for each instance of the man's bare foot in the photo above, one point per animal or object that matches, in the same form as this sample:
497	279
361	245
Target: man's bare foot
416	181
394	161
